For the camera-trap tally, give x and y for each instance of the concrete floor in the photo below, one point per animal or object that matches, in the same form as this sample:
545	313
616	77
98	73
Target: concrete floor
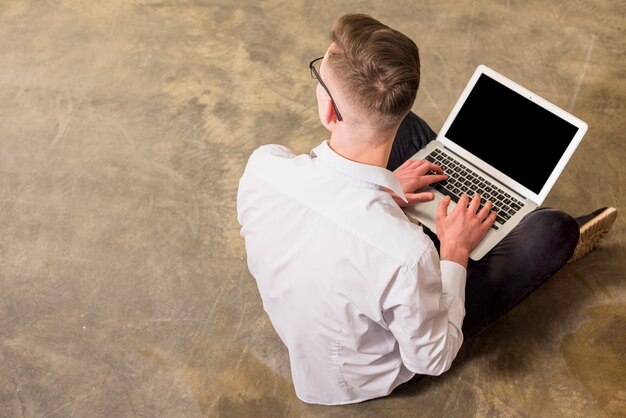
124	128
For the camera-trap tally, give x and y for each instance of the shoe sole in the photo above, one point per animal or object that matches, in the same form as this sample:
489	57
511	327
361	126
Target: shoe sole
593	231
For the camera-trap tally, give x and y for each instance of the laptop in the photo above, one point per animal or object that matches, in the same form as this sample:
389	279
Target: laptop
503	142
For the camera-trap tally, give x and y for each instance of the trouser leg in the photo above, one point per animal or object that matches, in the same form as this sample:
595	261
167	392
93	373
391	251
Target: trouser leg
413	134
532	252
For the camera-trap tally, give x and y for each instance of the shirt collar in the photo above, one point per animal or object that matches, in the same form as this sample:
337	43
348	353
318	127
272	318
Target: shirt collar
370	173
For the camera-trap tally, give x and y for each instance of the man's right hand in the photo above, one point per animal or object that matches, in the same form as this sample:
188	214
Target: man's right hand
460	231
413	175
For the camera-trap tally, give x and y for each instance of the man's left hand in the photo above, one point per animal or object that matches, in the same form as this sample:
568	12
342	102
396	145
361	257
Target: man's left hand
412	176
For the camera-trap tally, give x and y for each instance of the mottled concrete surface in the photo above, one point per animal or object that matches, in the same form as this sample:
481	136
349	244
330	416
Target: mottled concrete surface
124	128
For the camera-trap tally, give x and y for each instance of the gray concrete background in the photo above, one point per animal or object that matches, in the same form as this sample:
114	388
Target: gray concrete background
124	128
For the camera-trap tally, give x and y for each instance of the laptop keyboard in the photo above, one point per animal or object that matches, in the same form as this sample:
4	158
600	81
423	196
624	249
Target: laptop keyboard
462	179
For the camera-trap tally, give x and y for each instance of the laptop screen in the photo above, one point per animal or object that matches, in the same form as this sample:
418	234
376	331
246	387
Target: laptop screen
511	133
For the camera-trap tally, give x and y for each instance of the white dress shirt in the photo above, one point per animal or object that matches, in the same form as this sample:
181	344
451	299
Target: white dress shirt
355	290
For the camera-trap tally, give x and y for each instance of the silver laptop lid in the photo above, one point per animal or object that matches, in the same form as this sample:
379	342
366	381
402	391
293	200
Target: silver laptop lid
517	137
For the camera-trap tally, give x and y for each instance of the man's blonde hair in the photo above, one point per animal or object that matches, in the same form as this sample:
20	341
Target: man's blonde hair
378	68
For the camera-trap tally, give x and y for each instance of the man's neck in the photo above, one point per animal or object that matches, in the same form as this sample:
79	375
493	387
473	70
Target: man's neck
361	148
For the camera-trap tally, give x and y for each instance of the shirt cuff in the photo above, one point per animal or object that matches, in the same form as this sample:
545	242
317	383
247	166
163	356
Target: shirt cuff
453	277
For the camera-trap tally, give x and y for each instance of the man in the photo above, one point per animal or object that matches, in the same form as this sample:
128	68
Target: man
363	298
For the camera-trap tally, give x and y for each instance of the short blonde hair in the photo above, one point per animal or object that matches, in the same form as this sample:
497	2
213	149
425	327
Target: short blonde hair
377	66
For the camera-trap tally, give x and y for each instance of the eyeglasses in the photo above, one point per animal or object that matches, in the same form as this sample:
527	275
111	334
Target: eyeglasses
316	75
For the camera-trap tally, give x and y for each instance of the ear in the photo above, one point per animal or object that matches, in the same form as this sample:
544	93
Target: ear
330	116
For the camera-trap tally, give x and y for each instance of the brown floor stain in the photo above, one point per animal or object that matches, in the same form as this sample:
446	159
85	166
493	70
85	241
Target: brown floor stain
595	356
153	357
223	376
244	387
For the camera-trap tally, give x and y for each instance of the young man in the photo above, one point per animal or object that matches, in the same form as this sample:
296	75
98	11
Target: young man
363	298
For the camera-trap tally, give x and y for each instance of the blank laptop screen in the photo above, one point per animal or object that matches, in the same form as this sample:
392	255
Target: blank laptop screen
511	133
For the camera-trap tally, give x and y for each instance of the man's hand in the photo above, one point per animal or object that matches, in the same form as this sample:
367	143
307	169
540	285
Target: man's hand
461	230
412	176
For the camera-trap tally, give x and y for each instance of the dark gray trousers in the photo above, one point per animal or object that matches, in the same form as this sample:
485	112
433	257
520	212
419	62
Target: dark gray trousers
532	252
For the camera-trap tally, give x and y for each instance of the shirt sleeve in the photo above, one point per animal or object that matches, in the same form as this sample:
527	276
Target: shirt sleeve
424	309
250	193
